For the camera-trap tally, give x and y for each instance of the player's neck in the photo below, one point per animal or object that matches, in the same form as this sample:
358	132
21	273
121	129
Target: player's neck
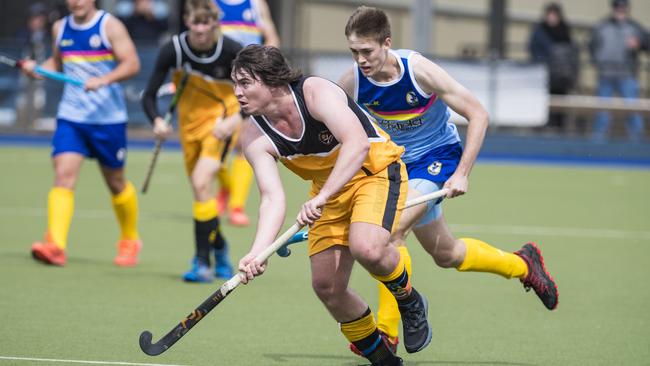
389	70
86	18
282	112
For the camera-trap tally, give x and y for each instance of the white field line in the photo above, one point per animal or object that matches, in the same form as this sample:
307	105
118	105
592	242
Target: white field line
9	358
571	232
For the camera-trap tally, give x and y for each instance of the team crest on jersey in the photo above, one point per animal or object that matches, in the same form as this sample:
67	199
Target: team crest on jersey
247	15
412	98
434	168
325	137
95	41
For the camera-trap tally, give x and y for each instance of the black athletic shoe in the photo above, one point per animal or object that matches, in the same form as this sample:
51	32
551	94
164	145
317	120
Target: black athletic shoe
538	277
417	332
394	362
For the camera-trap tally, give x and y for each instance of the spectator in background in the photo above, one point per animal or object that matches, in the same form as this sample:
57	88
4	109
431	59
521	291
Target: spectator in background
36	41
142	24
36	35
615	44
550	43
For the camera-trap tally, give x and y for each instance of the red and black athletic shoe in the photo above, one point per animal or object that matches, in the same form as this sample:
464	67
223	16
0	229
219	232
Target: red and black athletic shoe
391	343
538	277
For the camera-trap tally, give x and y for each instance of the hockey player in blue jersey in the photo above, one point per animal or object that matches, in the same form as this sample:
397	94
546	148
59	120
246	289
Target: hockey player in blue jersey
409	96
94	46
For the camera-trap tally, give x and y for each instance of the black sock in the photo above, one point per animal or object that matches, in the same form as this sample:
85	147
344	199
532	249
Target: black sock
203	231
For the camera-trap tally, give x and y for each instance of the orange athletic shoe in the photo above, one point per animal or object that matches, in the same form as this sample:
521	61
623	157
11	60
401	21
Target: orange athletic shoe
222	201
127	253
49	253
238	217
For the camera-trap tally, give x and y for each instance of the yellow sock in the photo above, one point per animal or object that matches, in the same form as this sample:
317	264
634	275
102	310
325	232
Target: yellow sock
223	176
388	315
206	210
60	206
482	257
359	329
125	205
241	178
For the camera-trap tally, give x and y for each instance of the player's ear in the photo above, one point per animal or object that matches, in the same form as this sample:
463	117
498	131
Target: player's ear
388	42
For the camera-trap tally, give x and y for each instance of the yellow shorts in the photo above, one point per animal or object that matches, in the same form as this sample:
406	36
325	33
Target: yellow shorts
207	147
373	199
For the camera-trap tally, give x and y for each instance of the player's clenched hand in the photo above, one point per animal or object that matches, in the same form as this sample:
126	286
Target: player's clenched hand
250	267
161	129
457	185
28	66
311	210
94	84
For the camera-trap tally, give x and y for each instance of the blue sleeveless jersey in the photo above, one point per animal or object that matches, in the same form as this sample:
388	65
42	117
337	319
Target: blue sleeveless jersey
241	21
86	52
413	119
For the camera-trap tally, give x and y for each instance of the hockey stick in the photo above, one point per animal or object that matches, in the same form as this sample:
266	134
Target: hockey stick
167	118
154	349
300	236
17	64
200	312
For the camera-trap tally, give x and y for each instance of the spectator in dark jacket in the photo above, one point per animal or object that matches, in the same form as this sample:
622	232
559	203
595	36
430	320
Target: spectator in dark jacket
550	43
615	45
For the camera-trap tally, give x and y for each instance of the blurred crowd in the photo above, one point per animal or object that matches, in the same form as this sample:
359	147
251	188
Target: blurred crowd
614	47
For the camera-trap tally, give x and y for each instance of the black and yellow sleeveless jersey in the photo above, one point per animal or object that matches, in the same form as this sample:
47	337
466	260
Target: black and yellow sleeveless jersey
313	155
208	93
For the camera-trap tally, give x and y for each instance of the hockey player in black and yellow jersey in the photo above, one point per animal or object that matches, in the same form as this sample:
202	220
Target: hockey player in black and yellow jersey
358	185
208	113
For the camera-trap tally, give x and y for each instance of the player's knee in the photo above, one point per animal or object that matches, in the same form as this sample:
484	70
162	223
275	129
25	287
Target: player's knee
65	178
444	258
327	289
367	255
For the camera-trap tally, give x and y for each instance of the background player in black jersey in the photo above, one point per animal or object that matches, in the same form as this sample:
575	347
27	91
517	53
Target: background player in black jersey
208	113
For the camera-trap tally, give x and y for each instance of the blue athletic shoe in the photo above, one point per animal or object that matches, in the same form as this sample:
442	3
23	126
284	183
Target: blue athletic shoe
222	267
200	272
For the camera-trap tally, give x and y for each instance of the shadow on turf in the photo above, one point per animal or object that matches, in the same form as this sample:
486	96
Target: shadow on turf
345	360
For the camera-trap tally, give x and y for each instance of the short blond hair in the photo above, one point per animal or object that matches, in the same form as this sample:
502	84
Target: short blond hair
202	9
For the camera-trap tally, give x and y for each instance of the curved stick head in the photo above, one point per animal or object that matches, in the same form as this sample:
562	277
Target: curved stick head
147	347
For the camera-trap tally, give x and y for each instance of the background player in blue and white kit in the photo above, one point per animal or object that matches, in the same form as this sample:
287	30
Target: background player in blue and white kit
94	46
247	22
409	97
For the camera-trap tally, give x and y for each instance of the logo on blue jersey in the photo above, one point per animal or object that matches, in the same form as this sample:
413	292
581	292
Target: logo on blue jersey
67	42
434	168
95	41
412	98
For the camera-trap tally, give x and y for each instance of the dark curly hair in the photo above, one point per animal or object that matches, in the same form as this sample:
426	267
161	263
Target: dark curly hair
267	64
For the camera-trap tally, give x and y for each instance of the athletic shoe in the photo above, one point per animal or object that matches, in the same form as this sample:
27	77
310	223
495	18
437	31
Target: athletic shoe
394	362
222	267
237	217
391	343
127	253
200	272
49	253
222	201
417	332
538	277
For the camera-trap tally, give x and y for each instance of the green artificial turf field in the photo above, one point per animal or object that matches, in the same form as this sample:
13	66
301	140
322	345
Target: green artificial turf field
591	224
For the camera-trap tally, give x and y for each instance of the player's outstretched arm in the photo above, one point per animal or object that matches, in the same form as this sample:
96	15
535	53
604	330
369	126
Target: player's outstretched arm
433	79
259	153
